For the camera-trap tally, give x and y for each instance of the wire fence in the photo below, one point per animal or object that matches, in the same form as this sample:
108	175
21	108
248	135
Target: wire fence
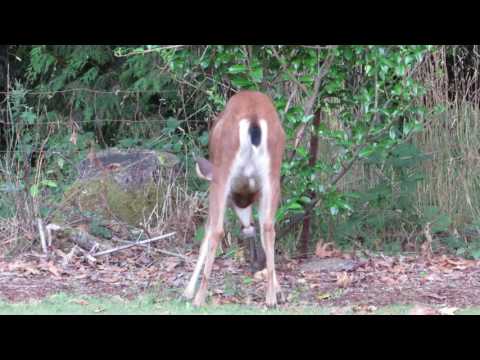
73	120
115	92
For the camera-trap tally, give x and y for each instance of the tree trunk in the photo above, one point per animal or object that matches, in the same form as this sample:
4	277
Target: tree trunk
313	154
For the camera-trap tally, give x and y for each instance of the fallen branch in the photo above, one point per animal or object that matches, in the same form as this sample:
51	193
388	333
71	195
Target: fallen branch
183	257
101	253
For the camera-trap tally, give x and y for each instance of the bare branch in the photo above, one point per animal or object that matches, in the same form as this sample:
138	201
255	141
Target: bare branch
309	105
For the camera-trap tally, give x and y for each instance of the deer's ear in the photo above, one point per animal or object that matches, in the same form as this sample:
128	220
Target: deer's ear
204	169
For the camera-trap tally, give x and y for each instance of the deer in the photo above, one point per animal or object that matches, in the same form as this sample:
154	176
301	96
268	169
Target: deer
246	146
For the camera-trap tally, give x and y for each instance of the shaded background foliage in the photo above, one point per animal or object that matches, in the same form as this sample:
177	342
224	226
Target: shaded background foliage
366	163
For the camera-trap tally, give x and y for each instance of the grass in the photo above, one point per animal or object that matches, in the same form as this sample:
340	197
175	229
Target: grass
64	304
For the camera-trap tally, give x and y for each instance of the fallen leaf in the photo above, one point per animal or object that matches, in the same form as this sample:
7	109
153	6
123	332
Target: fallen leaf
423	310
79	277
397	269
53	269
260	275
323	296
448	310
322	250
343	280
436	297
432	277
388	280
25	267
171	264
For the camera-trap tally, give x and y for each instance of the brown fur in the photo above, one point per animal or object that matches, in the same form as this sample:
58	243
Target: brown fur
223	147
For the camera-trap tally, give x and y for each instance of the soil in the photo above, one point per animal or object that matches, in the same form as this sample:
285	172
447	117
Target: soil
339	281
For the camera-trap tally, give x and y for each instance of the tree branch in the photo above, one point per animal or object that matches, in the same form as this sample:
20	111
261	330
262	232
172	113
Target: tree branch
309	105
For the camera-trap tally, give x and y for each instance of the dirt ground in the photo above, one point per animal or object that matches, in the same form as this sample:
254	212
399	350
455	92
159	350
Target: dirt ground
333	280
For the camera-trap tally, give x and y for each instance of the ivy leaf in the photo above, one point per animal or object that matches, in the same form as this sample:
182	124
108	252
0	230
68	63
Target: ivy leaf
241	82
237	69
295	206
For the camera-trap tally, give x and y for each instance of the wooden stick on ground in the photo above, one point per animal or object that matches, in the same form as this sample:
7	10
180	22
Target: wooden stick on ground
123	247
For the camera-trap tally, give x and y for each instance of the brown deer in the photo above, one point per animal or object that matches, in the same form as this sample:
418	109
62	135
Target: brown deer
246	148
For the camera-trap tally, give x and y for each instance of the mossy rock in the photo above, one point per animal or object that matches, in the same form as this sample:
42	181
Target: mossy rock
121	185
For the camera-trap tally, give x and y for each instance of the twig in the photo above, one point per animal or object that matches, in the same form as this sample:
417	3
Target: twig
87	255
290	75
133	244
311	100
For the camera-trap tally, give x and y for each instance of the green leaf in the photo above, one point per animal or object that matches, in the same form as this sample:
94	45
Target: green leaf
475	254
247	280
397	89
49	183
199	234
240	82
366	152
368	69
29	117
172	123
295	206
237	69
407	127
307	118
257	74
392	133
204	138
34	190
348	53
400	70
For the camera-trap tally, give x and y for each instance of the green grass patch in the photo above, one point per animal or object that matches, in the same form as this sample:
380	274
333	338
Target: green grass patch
65	304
